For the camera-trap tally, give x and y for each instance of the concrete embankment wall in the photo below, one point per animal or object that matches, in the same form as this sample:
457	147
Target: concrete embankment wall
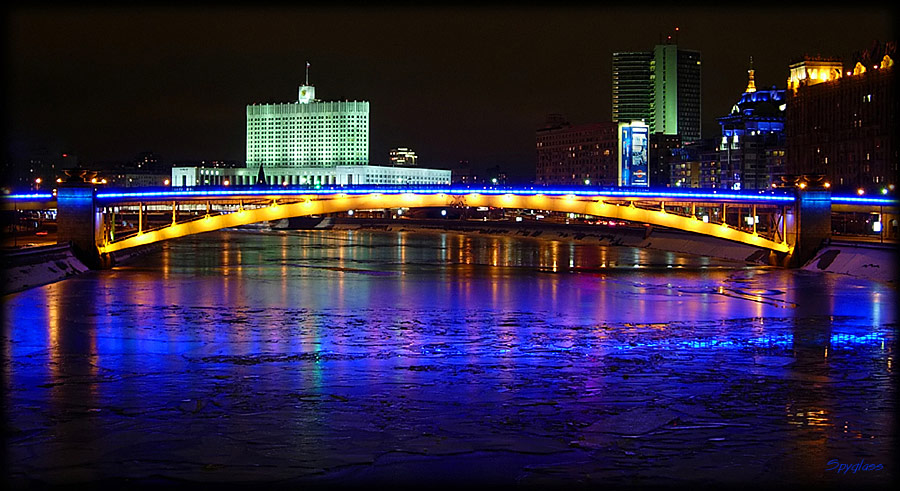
36	266
863	260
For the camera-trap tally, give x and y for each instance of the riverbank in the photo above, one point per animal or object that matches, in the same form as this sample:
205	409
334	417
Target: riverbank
863	260
41	265
37	266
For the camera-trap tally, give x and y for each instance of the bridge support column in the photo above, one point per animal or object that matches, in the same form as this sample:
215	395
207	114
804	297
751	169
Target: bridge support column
79	221
811	227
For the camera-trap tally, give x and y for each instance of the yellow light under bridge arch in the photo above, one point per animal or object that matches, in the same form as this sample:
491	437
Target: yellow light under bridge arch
319	205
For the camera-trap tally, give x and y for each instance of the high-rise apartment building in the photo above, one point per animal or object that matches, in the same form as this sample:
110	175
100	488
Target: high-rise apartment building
660	87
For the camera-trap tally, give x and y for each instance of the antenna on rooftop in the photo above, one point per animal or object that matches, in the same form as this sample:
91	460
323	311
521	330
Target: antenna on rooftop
307	73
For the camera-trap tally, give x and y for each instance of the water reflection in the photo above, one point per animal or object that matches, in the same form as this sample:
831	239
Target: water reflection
283	355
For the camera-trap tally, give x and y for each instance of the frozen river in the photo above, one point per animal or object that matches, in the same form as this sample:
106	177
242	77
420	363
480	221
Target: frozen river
350	357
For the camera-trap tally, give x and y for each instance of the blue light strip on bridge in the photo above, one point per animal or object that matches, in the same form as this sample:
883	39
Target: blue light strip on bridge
237	191
31	196
864	201
234	192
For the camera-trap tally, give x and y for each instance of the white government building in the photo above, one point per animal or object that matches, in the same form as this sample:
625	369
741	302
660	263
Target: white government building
308	142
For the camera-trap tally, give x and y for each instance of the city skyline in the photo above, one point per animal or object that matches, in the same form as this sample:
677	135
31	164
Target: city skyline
453	84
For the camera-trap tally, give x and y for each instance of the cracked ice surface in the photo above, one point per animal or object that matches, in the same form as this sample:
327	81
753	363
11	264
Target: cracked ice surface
343	358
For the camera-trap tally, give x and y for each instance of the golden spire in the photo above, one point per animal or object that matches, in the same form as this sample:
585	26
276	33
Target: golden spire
751	84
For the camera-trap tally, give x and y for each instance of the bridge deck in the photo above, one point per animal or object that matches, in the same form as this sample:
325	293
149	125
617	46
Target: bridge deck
704	212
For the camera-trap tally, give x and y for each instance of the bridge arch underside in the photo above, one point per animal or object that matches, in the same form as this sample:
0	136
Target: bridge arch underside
233	213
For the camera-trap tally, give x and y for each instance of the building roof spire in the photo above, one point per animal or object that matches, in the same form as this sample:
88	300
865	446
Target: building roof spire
751	83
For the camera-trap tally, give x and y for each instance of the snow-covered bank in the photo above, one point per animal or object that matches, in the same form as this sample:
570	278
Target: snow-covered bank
863	260
38	266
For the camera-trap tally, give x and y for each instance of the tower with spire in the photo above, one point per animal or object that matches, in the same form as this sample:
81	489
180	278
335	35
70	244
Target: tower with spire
752	147
751	83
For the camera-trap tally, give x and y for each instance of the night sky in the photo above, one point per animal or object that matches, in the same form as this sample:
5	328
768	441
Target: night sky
452	83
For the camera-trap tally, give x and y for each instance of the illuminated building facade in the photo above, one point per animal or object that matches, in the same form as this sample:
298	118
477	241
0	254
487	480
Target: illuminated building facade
813	70
752	147
339	175
577	155
660	87
676	92
308	132
842	123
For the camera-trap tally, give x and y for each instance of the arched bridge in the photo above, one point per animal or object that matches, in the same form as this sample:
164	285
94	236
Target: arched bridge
784	222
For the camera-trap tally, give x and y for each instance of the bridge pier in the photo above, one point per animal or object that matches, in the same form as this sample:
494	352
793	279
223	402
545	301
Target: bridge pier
78	222
808	225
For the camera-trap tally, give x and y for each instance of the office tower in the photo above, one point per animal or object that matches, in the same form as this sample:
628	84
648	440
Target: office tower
675	74
660	87
631	87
